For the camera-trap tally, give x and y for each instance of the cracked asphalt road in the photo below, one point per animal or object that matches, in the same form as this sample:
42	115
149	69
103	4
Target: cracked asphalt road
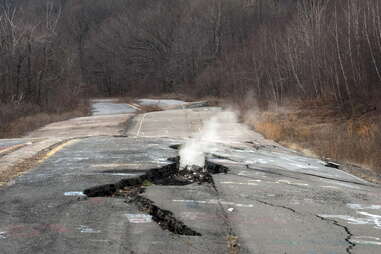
273	200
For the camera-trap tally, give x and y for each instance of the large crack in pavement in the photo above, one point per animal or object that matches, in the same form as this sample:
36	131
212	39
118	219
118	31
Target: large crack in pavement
279	206
351	244
232	238
131	188
164	218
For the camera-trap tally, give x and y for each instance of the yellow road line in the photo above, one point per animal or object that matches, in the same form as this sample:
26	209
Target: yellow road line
57	149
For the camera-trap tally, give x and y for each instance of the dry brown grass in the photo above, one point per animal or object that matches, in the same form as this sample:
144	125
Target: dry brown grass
150	108
21	125
322	131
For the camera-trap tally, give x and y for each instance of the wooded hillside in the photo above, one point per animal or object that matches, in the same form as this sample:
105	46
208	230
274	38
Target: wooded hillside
53	52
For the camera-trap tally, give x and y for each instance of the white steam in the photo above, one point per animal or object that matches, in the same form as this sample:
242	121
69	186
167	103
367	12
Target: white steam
205	141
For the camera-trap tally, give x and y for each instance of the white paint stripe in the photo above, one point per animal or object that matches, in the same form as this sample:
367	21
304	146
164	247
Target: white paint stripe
291	183
133	105
87	229
369	219
366	237
3	235
139	218
366	242
238	183
141	124
214	202
364	207
74	194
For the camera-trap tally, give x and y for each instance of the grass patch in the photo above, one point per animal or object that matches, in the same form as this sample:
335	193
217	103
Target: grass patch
150	108
322	131
147	183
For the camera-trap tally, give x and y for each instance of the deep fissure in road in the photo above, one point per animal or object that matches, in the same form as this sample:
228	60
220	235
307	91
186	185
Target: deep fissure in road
131	188
351	244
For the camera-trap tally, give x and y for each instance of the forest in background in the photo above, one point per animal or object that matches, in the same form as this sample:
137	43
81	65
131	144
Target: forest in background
54	51
261	54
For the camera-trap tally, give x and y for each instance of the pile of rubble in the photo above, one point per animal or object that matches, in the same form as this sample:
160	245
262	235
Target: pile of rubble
193	173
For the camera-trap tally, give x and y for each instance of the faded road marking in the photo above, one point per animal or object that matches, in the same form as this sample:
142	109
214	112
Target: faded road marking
240	183
364	207
140	125
57	149
74	194
3	235
87	229
213	202
369	219
291	183
367	237
367	240
139	218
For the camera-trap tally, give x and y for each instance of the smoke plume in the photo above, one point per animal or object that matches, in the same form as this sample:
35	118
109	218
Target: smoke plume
207	139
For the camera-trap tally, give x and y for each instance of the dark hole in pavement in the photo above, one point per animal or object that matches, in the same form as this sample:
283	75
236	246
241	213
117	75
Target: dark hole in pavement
176	146
130	188
120	136
166	175
331	164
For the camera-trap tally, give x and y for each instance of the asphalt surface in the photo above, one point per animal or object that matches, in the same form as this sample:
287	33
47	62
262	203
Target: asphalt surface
272	200
160	103
110	107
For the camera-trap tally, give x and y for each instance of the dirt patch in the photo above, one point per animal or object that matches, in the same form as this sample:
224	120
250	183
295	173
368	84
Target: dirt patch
233	245
150	108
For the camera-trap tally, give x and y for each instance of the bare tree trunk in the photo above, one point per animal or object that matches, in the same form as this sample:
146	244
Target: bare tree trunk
340	58
299	83
370	45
